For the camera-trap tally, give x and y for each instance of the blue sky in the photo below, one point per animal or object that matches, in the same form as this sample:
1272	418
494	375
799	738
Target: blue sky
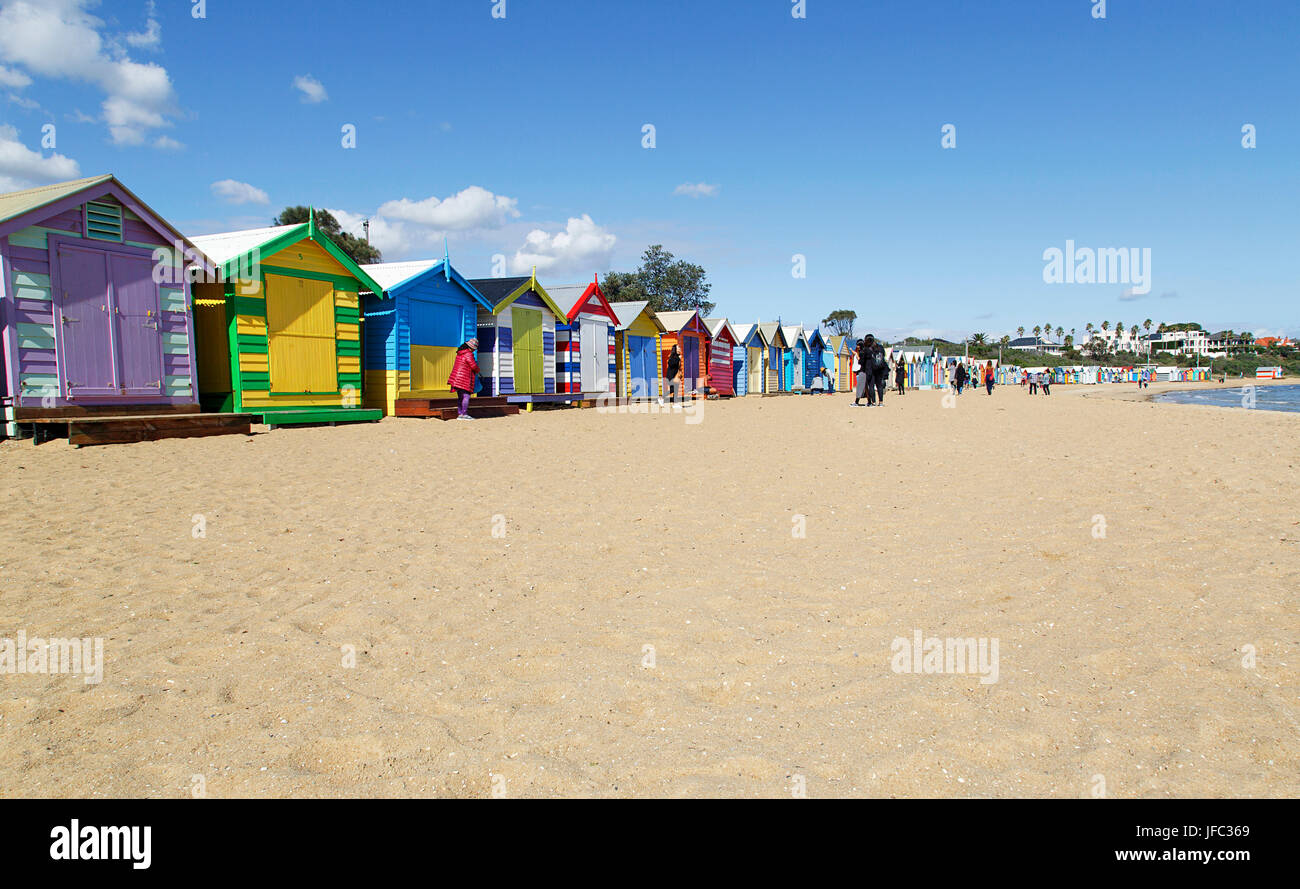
522	138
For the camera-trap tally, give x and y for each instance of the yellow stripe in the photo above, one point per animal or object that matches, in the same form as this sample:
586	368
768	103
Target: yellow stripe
251	325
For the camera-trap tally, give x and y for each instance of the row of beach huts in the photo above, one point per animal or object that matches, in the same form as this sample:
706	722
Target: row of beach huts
118	327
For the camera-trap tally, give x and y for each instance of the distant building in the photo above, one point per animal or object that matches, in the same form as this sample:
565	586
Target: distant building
1036	344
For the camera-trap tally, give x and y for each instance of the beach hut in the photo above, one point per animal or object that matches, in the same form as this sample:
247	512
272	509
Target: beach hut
96	324
747	361
585	341
636	348
819	356
843	362
516	340
279	335
412	329
687	331
722	356
796	357
776	357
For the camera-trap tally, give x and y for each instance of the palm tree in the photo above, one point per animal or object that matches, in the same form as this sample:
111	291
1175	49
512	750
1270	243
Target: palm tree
1020	331
1146	325
1088	327
1037	331
1005	341
979	339
1105	325
1069	342
1060	332
1047	330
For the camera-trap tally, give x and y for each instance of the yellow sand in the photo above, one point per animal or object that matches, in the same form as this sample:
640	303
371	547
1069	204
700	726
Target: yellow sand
521	656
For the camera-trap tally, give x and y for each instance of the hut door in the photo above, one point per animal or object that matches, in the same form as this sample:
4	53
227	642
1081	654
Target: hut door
85	325
526	327
139	339
691	361
594	344
754	364
641	355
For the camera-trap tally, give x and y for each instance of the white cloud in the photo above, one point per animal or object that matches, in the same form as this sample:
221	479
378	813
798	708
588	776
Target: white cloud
60	39
313	91
21	102
234	192
697	189
21	167
151	36
472	208
396	240
583	245
167	143
11	78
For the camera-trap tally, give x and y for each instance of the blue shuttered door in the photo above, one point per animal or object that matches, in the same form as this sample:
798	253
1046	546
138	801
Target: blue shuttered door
641	352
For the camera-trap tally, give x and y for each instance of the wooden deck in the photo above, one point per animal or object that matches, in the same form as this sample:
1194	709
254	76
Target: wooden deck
100	429
447	408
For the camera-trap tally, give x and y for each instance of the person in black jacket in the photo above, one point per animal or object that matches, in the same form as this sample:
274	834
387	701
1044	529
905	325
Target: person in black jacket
876	368
673	371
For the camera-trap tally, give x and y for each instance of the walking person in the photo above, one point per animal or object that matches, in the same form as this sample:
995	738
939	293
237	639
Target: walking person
1047	383
959	378
464	371
988	377
900	375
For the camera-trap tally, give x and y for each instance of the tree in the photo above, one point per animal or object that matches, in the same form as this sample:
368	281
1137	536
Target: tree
1047	330
1005	341
1037	332
668	284
1146	325
356	248
1020	331
1069	342
1060	332
841	321
979	339
1088	327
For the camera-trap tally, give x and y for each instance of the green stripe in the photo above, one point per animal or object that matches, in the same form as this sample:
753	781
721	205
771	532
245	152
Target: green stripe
258	381
347	315
249	305
349	347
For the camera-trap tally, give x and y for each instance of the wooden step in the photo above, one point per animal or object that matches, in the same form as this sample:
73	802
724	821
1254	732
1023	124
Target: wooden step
123	430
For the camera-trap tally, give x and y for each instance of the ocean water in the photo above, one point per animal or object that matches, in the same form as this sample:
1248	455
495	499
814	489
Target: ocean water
1266	398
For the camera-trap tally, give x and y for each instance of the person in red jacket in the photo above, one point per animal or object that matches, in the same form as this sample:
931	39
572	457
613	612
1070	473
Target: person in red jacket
462	376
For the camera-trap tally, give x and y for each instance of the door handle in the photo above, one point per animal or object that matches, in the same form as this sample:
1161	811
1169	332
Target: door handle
67	320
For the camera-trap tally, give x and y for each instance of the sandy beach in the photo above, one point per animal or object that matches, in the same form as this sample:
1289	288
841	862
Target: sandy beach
647	620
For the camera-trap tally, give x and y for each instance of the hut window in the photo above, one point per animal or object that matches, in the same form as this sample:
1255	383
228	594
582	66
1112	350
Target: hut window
103	221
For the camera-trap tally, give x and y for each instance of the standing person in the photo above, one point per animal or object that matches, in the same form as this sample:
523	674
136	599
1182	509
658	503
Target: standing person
860	373
959	378
1033	383
875	369
674	373
900	375
988	377
1047	383
461	379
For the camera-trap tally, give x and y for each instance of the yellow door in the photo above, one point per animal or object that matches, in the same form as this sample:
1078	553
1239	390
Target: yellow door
430	368
300	335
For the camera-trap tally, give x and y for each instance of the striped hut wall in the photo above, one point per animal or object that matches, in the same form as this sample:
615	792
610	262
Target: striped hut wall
720	367
613	359
739	370
488	352
379	385
30	322
548	351
568	366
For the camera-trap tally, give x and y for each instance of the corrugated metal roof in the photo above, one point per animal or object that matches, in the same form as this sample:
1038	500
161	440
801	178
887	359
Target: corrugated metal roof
389	274
794	333
16	203
769	331
716	324
675	321
497	289
628	312
742	331
223	247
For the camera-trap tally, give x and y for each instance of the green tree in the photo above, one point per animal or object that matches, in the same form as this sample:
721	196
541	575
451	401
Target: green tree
1020	331
668	284
358	249
841	321
979	339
